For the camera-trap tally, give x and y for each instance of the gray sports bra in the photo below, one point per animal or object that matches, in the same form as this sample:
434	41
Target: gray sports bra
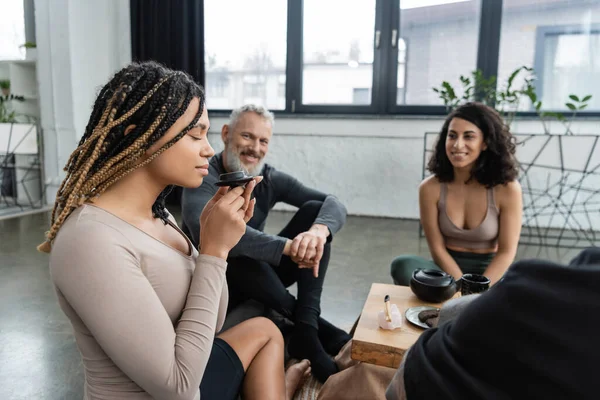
484	236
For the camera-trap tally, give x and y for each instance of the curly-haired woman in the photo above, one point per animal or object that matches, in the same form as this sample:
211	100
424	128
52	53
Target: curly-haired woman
471	207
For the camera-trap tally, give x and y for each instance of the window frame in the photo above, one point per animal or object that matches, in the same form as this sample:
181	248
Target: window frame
385	64
295	63
542	32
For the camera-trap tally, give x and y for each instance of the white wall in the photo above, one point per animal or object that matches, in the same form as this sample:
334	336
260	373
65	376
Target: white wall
100	45
81	43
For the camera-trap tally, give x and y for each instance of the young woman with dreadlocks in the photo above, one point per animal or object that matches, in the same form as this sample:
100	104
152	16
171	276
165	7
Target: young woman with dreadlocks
145	305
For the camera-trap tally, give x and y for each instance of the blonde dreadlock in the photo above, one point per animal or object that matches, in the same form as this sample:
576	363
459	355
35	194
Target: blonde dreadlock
145	95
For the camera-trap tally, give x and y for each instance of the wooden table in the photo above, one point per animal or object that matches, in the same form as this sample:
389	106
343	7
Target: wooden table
374	345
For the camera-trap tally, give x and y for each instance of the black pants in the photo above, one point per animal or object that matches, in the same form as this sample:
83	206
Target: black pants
258	280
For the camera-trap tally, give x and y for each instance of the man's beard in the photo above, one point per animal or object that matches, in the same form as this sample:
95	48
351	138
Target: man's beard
235	164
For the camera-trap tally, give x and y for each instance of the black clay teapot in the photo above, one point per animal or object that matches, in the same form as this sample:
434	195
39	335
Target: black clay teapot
432	286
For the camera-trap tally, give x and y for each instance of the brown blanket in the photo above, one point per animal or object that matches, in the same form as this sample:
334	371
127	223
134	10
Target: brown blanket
356	380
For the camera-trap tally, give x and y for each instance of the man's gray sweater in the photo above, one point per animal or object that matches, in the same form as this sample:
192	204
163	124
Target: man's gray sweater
275	187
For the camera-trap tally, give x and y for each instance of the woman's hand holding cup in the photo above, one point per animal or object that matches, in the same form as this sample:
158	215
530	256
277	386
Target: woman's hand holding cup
223	220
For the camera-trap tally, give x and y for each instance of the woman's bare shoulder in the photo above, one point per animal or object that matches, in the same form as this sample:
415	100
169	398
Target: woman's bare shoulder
430	186
511	189
508	193
431	181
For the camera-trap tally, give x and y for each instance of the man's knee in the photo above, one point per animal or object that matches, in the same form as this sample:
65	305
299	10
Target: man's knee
310	209
247	268
307	214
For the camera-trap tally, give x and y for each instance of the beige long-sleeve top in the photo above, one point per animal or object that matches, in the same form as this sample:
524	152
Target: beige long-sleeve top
143	313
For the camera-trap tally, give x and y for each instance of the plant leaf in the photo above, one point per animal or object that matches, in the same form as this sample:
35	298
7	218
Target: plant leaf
449	89
586	98
571	106
583	106
574	98
512	76
533	96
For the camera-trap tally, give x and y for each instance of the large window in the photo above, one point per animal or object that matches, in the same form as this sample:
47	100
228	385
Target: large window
386	56
439	43
568	62
245	52
561	40
12	30
337	65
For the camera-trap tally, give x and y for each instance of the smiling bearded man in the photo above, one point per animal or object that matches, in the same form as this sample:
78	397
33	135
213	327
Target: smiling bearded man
262	266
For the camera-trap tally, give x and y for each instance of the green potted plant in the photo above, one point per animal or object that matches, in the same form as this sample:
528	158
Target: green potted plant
506	99
5	87
7	114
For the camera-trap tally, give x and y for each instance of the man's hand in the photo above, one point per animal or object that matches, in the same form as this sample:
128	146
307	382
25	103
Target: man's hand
307	248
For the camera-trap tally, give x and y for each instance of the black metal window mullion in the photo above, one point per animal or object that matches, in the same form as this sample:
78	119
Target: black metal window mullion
293	74
490	25
385	76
